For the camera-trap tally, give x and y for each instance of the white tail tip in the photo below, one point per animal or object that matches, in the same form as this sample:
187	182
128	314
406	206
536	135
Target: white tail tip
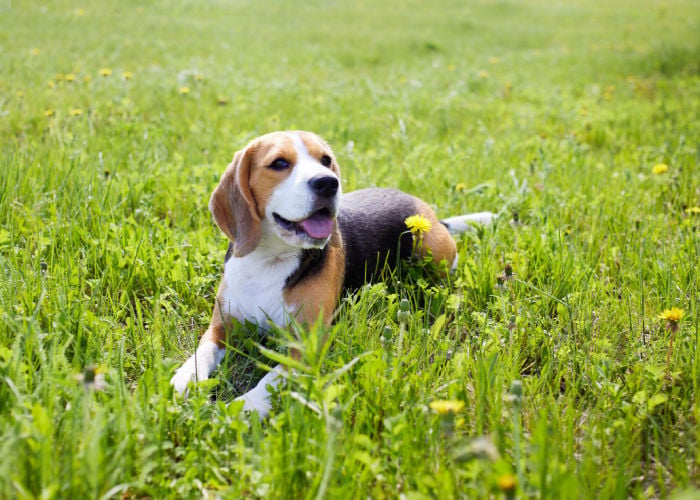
462	223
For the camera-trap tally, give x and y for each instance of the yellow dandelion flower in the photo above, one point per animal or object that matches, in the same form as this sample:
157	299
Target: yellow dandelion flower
35	51
483	74
418	224
659	168
460	186
445	406
673	315
70	77
221	100
127	75
79	12
20	93
105	72
199	77
49	113
76	112
692	210
451	67
506	482
184	90
493	60
87	78
51	84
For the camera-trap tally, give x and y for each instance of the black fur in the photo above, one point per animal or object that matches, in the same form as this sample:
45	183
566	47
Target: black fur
371	223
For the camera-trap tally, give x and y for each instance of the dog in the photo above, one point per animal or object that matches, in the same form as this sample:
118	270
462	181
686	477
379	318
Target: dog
296	243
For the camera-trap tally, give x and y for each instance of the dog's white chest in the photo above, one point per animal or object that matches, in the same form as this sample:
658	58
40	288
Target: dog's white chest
254	287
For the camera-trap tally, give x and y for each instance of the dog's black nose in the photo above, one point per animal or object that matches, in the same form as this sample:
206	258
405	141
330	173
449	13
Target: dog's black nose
324	185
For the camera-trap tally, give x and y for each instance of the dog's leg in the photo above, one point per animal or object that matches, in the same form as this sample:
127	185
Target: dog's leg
207	356
316	296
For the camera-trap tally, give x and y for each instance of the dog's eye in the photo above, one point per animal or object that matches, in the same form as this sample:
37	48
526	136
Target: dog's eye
279	164
326	161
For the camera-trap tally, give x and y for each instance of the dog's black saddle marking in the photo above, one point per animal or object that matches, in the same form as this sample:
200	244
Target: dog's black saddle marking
372	225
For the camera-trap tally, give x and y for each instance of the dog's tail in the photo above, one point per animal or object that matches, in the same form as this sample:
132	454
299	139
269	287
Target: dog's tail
462	223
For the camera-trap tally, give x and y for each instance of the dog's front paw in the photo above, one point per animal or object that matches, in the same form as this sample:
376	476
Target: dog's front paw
198	367
256	401
258	398
183	376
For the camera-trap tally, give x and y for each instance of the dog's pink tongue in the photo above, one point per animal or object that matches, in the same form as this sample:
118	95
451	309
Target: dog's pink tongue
317	226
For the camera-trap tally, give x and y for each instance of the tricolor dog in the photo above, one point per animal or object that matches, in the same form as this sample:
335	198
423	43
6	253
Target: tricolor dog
296	242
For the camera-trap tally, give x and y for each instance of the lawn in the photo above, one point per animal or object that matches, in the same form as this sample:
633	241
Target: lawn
578	122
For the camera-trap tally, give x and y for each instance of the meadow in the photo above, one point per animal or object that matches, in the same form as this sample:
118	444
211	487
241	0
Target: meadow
544	366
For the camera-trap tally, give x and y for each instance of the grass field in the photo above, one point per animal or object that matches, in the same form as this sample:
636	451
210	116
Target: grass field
116	121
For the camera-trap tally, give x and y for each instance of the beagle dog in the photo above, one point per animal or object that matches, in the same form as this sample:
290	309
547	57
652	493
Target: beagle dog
296	243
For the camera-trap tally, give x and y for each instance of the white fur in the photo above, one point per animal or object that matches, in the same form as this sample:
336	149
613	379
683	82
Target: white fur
255	282
462	223
199	366
258	398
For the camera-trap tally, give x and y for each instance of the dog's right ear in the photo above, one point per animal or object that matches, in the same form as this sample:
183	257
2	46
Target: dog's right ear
233	207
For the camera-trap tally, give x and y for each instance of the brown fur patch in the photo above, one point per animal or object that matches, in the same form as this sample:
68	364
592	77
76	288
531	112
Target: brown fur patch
438	239
217	326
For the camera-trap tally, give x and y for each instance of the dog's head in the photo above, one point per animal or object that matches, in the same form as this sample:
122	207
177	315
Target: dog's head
286	183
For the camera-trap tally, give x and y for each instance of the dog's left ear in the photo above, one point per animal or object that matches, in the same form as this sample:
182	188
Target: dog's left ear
233	207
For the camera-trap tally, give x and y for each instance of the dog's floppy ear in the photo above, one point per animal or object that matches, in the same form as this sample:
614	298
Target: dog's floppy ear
233	207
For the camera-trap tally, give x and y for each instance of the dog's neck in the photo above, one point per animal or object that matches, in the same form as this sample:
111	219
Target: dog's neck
273	250
310	263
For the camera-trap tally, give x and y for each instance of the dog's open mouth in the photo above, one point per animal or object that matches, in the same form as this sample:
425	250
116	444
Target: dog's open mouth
319	225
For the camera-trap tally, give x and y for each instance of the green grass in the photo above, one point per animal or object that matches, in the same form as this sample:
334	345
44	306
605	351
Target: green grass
550	114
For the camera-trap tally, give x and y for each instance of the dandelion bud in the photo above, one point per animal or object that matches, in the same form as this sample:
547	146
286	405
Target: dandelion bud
404	314
508	271
516	388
